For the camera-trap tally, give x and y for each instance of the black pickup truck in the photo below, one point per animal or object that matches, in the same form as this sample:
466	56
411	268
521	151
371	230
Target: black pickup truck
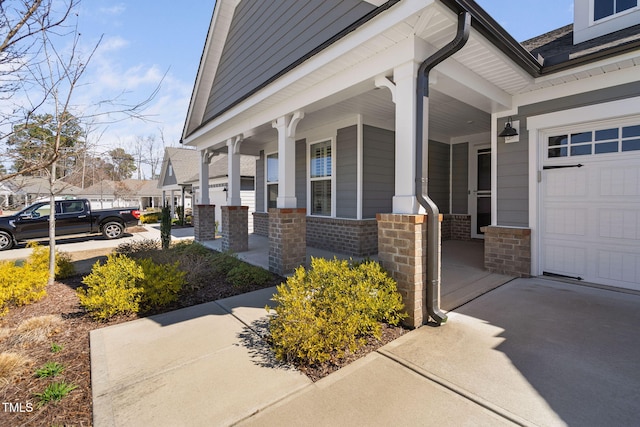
72	217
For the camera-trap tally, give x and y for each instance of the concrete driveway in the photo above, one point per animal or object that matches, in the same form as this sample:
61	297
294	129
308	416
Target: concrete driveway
532	352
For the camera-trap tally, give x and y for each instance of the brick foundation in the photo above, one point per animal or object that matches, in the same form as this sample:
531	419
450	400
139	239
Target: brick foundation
456	227
287	239
261	224
346	236
204	222
235	228
401	240
507	250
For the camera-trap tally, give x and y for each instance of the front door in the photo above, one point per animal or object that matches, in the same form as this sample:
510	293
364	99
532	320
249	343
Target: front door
480	197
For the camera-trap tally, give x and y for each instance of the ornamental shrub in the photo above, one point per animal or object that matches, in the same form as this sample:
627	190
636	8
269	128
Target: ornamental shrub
243	275
111	287
64	266
150	217
330	309
161	283
25	283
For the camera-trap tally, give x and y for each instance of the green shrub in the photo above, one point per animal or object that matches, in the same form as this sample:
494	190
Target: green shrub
224	262
111	287
243	275
161	283
165	227
64	266
49	369
330	309
54	392
138	248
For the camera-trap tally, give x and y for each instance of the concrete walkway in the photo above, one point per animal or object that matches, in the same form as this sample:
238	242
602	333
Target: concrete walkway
532	352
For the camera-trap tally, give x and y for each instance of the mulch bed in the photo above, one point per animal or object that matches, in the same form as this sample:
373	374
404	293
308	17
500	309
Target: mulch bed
76	408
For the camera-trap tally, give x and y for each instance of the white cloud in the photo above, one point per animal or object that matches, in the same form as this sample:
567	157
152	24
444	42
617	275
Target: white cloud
113	10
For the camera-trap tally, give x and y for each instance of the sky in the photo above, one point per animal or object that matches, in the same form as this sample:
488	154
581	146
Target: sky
144	40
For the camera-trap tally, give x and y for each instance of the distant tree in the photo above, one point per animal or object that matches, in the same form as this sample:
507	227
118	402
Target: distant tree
121	164
35	145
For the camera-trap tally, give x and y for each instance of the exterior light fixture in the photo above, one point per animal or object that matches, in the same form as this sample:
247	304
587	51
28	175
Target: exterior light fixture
508	130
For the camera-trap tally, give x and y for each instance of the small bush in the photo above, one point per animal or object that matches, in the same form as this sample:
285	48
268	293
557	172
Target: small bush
161	283
224	262
165	227
64	266
138	248
243	275
111	287
37	329
150	217
26	283
11	365
330	309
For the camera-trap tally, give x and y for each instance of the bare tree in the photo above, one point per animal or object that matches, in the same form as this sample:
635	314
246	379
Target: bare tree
53	75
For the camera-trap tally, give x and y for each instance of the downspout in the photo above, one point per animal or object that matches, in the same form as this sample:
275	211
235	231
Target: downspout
433	218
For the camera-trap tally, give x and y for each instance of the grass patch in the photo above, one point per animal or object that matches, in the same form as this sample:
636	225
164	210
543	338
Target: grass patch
54	392
56	348
50	369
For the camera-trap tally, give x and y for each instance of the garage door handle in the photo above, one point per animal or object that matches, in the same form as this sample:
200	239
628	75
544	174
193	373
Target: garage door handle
579	165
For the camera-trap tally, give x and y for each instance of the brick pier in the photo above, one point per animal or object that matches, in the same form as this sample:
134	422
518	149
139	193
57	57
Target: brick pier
507	250
287	239
204	222
235	228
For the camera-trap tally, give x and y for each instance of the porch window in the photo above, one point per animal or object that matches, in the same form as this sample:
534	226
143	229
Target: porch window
272	180
320	173
605	8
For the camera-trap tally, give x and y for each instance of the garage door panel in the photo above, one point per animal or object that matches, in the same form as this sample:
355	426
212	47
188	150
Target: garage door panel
619	181
563	183
562	258
570	221
618	268
619	224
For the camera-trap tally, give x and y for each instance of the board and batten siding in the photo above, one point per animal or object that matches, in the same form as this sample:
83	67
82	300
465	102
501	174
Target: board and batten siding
301	173
266	38
460	178
260	182
378	171
346	165
438	175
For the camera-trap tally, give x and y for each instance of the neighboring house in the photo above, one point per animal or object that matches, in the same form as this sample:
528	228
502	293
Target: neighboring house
21	191
107	194
325	93
179	177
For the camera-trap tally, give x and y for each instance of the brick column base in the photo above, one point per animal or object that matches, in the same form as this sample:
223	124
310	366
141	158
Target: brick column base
235	228
287	239
507	250
204	222
402	252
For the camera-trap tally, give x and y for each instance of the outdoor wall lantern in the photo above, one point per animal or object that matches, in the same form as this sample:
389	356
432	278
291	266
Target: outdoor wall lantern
510	131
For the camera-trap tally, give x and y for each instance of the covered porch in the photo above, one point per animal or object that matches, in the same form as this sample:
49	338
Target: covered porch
464	277
337	151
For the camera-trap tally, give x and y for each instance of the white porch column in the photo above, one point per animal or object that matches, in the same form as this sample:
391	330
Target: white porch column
173	204
205	159
233	159
404	76
286	126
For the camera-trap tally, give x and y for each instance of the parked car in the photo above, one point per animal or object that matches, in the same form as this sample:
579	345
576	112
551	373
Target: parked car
72	217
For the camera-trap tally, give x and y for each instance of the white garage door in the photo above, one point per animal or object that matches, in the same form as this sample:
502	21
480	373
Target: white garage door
590	217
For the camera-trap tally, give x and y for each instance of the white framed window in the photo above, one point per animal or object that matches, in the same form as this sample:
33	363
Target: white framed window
321	178
170	170
271	170
606	140
606	8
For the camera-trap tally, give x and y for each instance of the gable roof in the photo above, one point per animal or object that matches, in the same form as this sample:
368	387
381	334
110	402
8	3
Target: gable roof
186	165
557	48
306	37
128	187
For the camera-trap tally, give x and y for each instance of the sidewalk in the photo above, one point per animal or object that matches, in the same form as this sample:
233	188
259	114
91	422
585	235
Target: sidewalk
532	352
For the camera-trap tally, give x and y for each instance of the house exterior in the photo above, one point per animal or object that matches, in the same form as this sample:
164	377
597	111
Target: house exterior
108	194
21	191
180	178
325	93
